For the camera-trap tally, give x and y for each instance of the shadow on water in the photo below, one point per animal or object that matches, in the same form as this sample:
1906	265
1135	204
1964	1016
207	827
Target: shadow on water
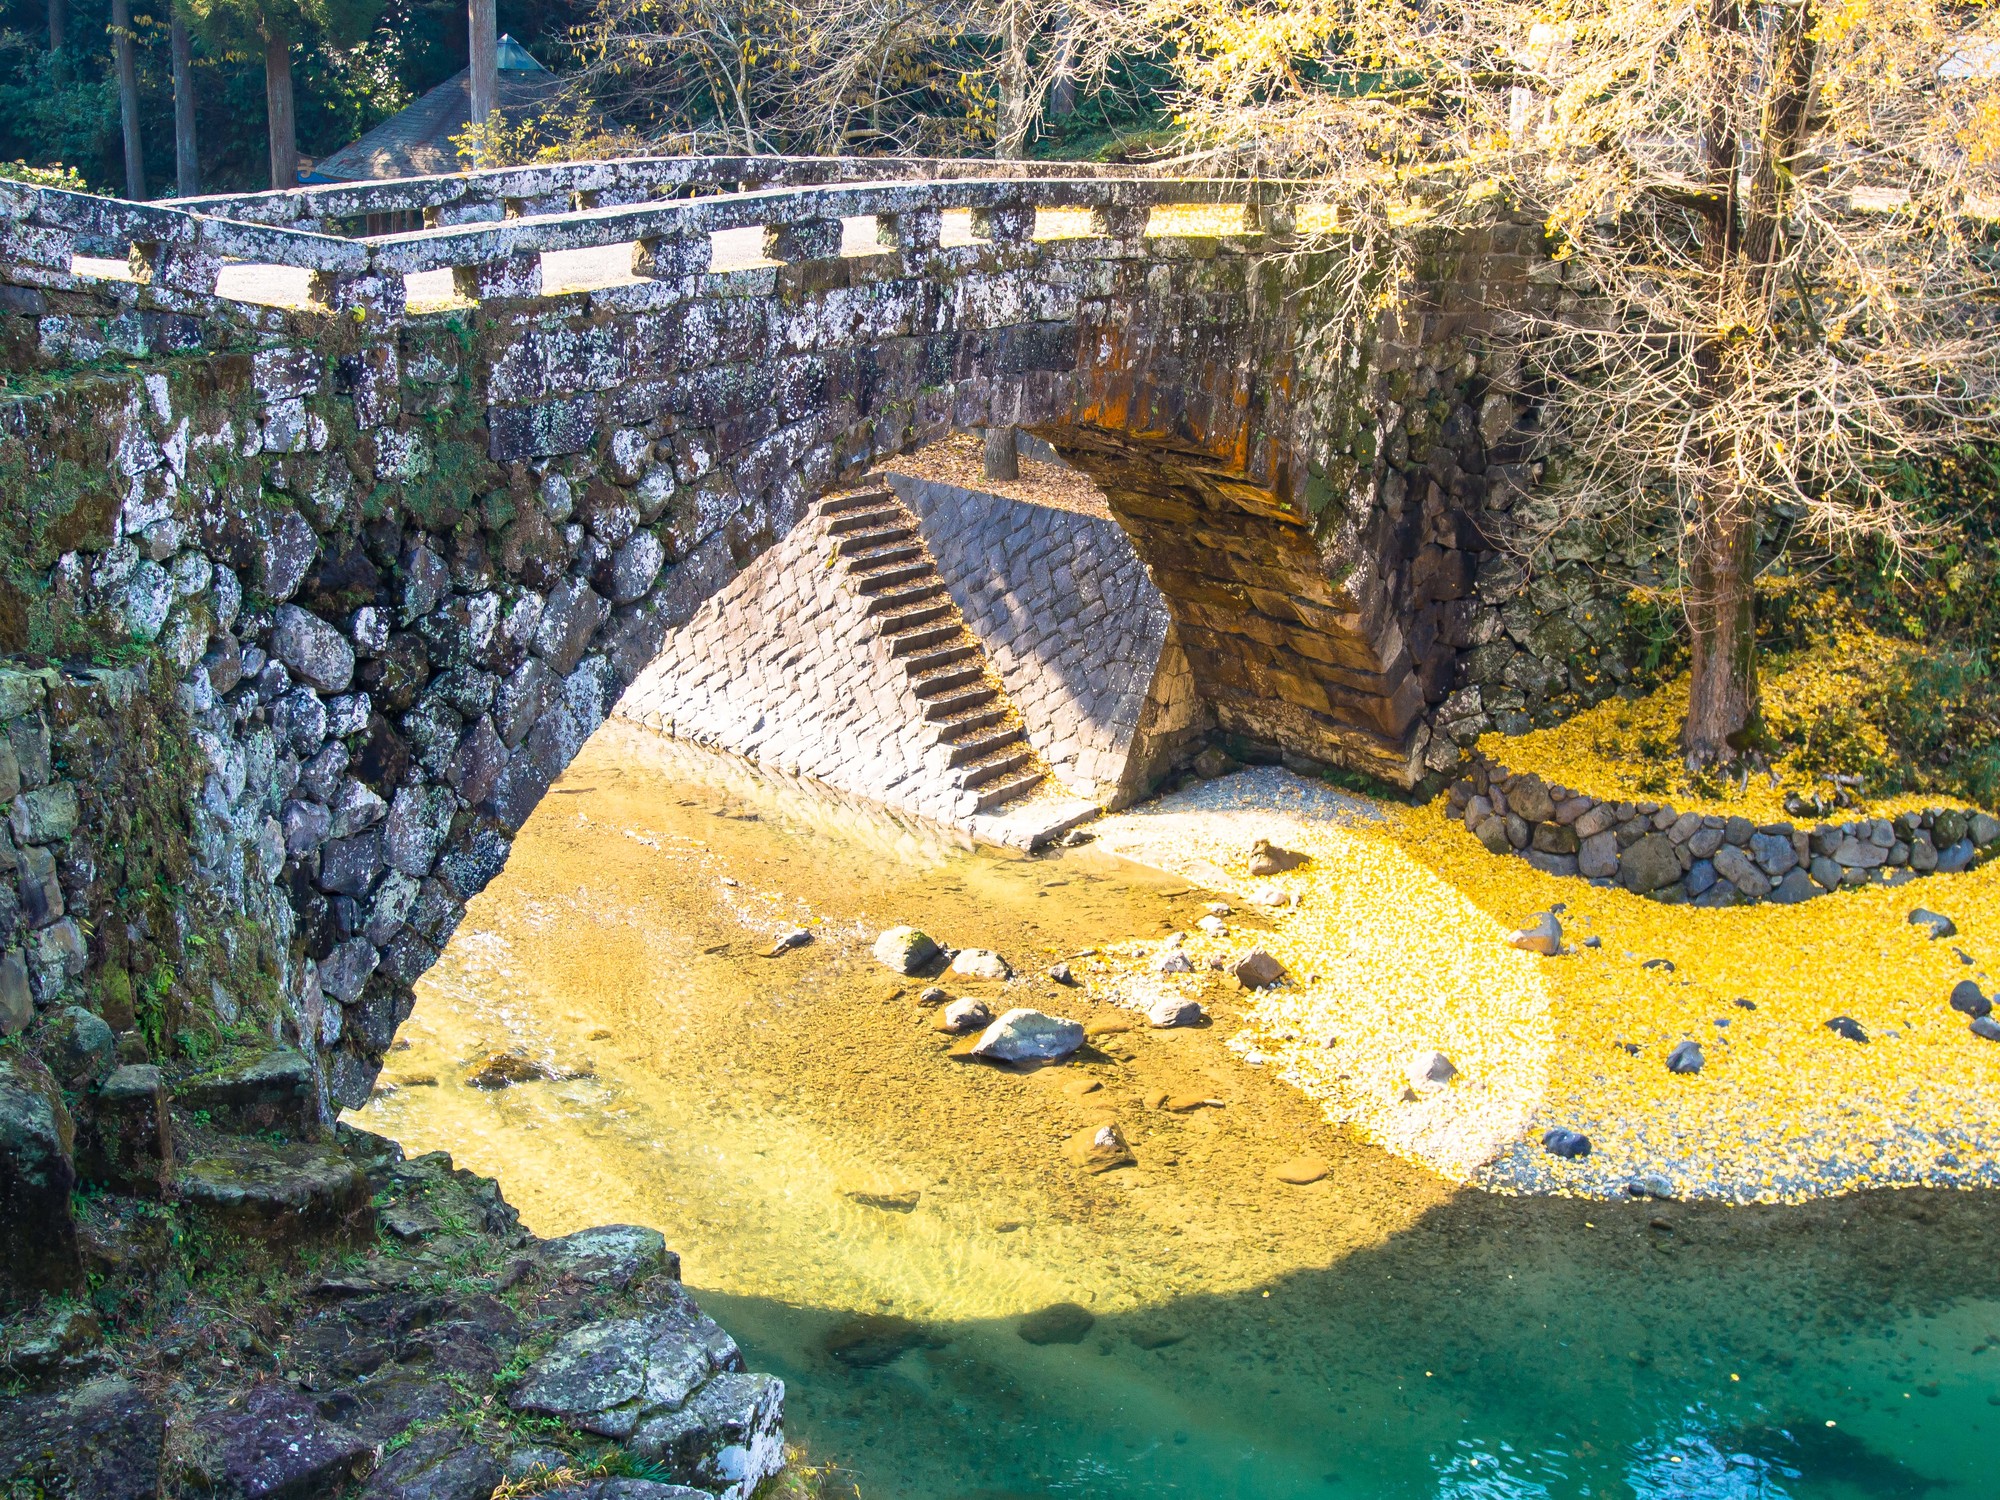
1499	1348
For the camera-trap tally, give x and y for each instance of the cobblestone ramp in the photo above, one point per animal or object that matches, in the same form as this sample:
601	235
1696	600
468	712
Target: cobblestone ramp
840	655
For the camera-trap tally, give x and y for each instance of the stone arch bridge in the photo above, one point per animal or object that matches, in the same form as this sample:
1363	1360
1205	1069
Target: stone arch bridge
396	517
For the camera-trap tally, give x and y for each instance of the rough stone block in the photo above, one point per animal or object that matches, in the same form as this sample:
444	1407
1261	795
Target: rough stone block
123	1139
271	1091
38	1246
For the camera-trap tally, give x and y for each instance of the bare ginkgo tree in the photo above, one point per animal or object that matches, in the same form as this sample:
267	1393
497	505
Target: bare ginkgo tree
1777	223
883	77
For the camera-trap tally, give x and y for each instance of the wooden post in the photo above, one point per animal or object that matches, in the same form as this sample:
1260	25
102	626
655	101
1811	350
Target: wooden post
1002	454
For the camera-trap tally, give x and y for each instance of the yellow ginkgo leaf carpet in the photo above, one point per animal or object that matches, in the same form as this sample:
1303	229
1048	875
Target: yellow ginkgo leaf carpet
1395	936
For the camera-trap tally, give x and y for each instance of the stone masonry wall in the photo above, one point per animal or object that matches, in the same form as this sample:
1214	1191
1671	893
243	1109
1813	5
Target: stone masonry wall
1081	637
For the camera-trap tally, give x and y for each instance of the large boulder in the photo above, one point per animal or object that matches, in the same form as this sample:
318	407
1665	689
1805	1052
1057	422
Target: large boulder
103	1440
273	1445
38	1249
1023	1035
1650	864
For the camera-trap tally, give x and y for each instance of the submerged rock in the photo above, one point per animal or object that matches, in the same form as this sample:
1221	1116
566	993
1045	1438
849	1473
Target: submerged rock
499	1069
964	1015
905	949
1023	1035
1101	1148
1059	1323
1301	1170
872	1340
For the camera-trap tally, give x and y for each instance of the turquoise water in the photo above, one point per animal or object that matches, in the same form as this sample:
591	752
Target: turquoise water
1500	1350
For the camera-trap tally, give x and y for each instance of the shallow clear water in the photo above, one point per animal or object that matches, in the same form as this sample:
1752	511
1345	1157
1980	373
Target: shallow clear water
873	1219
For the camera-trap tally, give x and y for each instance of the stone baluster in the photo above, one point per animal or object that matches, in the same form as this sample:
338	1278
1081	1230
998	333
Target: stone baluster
811	239
1125	223
516	275
668	256
189	267
1005	223
376	292
914	229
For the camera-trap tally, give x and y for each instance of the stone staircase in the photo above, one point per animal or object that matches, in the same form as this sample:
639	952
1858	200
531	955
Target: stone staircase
886	562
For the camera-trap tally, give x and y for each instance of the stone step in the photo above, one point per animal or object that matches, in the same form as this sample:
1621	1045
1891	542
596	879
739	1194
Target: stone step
856	542
878	554
875	580
860	520
943	681
972	721
894	600
894	622
999	792
995	766
914	638
840	505
948	706
921	663
996	735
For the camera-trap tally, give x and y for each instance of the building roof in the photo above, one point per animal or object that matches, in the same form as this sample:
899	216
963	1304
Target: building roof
417	142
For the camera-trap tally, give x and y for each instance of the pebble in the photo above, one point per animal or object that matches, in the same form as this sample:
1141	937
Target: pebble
1106	1026
1301	1170
1967	997
905	949
1651	1186
965	1015
1173	961
1940	925
1061	974
1214	926
499	1069
1987	1027
1848	1027
1100	1148
1569	1144
932	995
1076	1088
1428	1068
1173	1010
1686	1058
1257	970
1187	1104
1544	935
790	938
980	963
1218	909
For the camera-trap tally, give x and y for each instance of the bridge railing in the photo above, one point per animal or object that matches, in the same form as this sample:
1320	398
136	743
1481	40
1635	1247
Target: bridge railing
667	209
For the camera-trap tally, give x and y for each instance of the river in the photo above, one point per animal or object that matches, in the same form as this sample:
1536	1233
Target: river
888	1226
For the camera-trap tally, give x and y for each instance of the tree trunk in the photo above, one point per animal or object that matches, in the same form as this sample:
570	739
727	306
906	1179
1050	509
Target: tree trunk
1002	456
58	17
282	124
484	50
1017	103
128	97
1062	92
1722	619
187	167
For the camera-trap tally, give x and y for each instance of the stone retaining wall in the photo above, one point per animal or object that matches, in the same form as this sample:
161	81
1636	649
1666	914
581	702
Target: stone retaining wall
1081	637
1706	859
